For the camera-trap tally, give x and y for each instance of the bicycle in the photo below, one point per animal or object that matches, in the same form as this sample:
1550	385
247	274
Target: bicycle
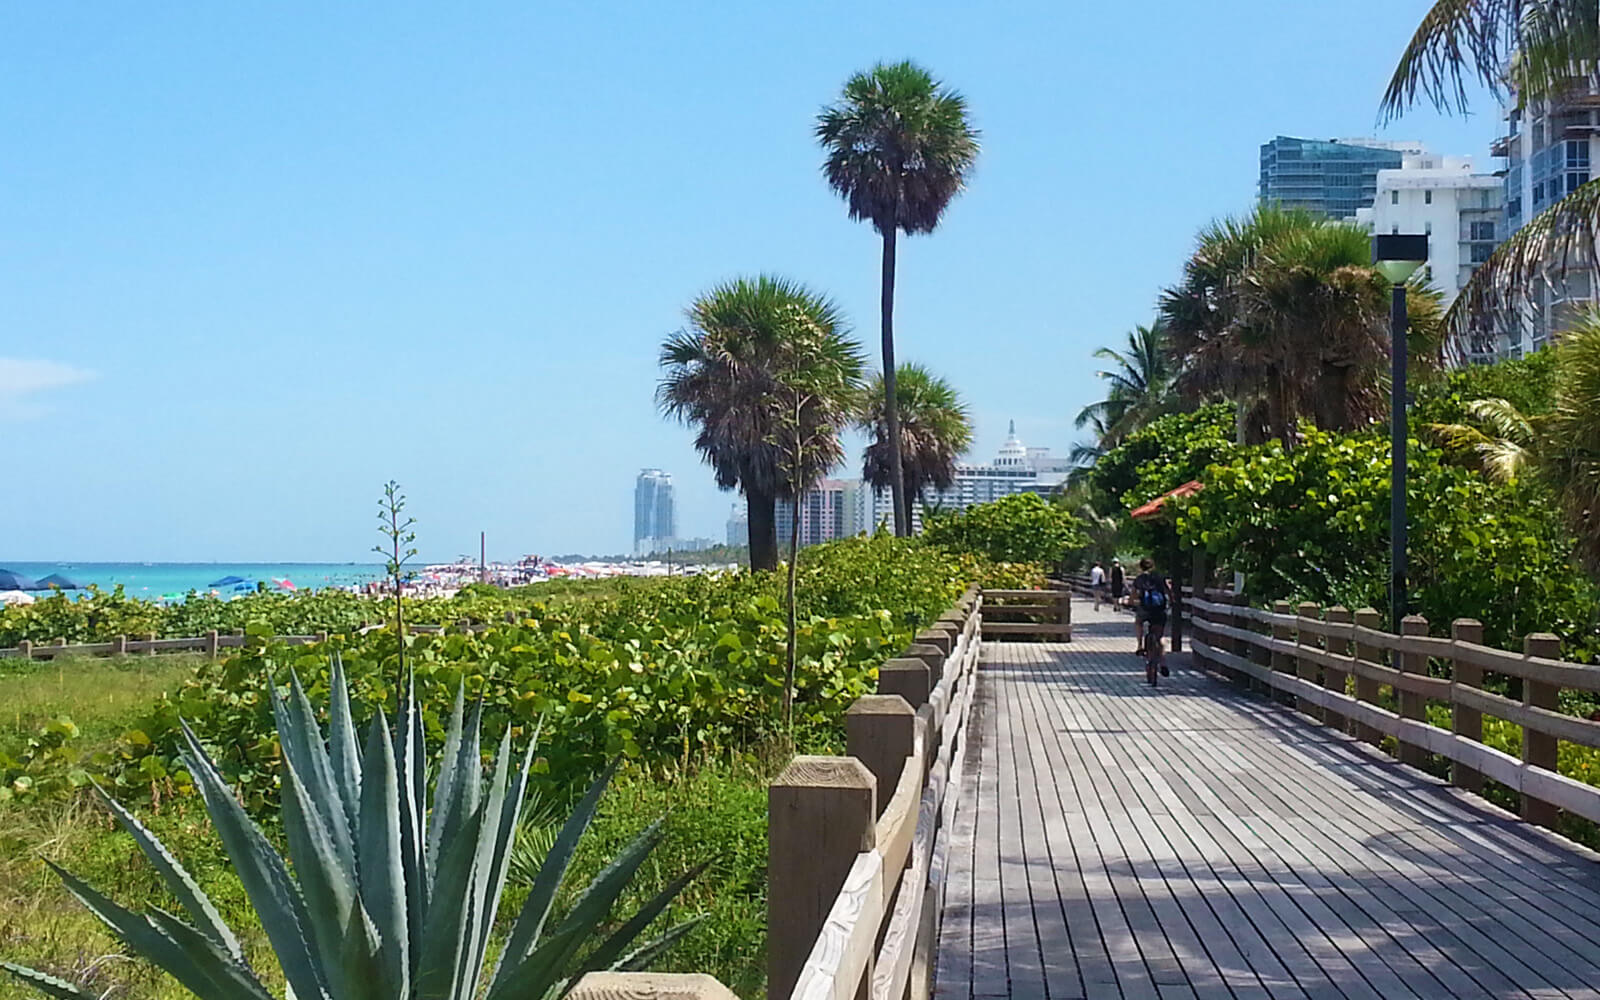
1155	660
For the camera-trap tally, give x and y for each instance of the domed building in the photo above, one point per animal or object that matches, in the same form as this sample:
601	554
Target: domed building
1016	468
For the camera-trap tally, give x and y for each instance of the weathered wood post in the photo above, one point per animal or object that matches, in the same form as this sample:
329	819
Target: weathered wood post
61	641
1333	678
1260	655
1178	603
650	986
119	645
463	625
1366	687
511	619
1413	705
150	638
1539	749
1239	647
906	676
1063	596
881	732
320	637
821	813
213	644
1306	667
1198	618
25	649
1281	662
1465	721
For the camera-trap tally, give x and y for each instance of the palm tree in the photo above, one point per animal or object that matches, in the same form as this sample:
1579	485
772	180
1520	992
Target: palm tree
1141	386
723	374
1282	312
1501	440
935	430
1569	448
1533	51
899	148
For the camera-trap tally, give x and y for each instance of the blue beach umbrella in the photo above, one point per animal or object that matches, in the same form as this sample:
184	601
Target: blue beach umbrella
226	581
57	580
16	581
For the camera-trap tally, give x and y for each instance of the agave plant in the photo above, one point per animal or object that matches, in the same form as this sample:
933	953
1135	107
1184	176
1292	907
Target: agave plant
389	900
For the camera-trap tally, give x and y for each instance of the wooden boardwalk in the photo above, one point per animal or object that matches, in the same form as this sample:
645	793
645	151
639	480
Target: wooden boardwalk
1197	842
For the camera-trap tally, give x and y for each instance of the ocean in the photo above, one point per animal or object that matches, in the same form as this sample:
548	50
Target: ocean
151	580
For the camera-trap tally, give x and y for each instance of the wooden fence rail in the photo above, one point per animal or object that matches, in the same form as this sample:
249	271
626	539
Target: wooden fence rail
1016	613
1341	669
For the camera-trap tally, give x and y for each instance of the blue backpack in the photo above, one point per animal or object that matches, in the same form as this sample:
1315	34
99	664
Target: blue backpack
1152	599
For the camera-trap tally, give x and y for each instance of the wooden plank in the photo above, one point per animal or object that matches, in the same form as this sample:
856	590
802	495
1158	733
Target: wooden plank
843	952
1001	595
1026	628
897	825
1413	706
1538	746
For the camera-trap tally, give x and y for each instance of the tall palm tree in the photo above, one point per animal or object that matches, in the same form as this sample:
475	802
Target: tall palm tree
899	148
1534	51
724	375
1140	385
1500	439
1282	312
1569	447
935	429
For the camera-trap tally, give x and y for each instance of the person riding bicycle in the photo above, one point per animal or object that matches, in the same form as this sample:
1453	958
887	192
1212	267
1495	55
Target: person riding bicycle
1152	596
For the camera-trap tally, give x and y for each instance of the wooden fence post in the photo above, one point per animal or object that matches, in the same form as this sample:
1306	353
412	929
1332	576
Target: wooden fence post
150	650
213	644
1539	749
1261	656
1466	721
25	649
511	617
1064	611
320	637
1306	668
650	986
1366	687
1413	705
119	645
1240	647
821	813
1282	662
1334	679
935	637
1178	603
906	676
881	732
1198	619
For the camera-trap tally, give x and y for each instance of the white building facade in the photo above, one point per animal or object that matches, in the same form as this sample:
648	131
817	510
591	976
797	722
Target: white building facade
1016	468
1460	211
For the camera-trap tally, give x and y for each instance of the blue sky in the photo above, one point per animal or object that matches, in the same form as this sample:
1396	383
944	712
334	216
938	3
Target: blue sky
257	259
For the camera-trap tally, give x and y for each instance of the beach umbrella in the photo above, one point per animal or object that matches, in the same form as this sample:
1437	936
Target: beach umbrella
16	581
286	584
226	581
14	597
57	580
242	586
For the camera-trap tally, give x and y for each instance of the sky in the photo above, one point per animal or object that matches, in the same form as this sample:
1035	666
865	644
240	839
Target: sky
256	260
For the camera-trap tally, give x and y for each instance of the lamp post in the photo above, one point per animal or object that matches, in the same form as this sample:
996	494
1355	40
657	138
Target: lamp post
1397	258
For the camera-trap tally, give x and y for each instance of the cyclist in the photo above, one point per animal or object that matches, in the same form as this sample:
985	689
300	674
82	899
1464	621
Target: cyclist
1152	596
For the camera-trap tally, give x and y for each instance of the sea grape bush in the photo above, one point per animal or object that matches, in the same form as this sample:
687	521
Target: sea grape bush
1018	528
653	673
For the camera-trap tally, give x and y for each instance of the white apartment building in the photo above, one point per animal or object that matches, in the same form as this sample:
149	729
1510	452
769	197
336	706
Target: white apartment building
1016	468
1460	211
1548	149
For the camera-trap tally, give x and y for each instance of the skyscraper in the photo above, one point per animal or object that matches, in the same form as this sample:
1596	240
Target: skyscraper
655	519
1333	177
738	526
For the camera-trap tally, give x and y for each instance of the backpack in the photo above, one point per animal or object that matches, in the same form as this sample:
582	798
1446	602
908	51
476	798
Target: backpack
1152	599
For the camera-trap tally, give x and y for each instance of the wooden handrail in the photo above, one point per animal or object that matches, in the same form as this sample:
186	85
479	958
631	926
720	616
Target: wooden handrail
1337	648
880	928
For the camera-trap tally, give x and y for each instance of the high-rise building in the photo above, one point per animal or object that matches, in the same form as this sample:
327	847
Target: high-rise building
738	526
1333	177
655	518
1549	147
1461	213
831	510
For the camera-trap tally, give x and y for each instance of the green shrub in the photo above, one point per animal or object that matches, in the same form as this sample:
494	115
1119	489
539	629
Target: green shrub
1022	528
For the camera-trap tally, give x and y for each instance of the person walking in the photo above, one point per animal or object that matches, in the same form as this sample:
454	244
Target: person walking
1118	583
1151	598
1097	583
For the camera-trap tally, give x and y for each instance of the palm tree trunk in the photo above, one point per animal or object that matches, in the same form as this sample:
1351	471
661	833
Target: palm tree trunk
763	521
891	404
789	665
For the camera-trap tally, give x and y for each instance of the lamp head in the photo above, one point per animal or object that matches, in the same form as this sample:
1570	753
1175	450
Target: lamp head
1397	256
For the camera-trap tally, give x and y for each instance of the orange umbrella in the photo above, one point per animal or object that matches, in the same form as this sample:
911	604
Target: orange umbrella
1152	509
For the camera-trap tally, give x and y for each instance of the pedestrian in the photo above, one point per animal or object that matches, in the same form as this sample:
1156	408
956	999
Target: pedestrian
1097	583
1118	583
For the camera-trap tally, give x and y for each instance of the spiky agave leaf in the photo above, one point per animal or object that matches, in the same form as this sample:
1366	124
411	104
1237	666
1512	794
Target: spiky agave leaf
45	983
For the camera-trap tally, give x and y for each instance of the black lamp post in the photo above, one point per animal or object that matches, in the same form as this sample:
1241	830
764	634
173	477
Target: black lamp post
1397	258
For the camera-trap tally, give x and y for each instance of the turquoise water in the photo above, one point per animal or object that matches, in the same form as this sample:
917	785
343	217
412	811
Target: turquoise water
157	579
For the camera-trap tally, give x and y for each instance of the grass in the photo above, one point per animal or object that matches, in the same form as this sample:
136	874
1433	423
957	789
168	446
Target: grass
101	695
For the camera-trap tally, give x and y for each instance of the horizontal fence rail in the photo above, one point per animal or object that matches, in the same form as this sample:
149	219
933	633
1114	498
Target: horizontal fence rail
1340	668
1043	614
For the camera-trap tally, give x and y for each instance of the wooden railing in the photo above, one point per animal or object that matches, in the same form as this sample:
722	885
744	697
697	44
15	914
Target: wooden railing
1340	668
211	643
1013	613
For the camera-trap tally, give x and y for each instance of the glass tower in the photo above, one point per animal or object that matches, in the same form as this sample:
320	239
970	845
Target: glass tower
1332	177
